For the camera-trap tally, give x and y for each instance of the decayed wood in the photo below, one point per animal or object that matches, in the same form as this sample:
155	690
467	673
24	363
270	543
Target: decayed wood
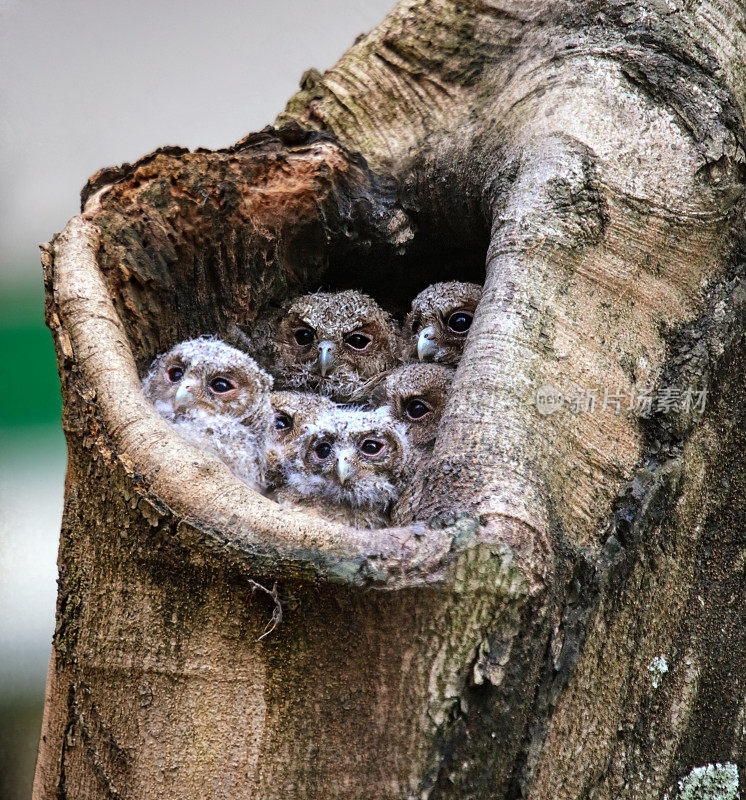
504	643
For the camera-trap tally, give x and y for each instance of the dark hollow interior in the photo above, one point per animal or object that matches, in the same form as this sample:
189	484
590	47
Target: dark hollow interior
172	280
394	280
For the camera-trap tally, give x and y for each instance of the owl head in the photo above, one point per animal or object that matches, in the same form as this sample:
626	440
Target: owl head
294	413
209	377
416	396
351	456
437	326
333	343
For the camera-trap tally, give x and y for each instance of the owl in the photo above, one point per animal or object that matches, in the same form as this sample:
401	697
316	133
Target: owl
294	413
437	325
349	466
416	396
217	398
333	344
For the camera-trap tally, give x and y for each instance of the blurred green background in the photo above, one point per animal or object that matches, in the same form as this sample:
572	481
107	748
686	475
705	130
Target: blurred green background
32	462
85	84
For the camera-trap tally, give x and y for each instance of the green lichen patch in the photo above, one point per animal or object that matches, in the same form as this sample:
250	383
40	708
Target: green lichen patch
658	667
711	782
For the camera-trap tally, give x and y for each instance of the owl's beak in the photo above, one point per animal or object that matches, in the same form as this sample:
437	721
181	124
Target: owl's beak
426	344
345	468
326	358
185	394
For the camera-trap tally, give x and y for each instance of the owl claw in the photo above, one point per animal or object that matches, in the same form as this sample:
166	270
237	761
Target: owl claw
426	344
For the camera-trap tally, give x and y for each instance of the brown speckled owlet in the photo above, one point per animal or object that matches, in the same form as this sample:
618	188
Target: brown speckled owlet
333	344
416	396
437	326
217	398
294	412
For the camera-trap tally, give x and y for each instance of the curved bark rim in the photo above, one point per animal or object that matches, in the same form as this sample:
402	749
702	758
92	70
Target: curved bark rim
170	475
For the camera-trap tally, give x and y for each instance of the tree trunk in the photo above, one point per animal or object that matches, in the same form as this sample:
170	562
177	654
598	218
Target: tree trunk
561	615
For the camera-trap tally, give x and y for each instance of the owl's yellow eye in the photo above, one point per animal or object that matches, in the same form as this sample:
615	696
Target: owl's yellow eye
303	336
416	409
371	447
460	321
221	385
175	374
357	341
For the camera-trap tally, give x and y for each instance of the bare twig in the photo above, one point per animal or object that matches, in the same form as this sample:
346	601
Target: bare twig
276	618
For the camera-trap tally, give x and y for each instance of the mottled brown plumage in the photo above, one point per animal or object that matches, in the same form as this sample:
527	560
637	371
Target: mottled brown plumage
415	395
437	326
333	344
217	398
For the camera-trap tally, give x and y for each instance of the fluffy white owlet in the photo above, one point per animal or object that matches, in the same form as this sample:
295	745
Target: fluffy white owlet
348	467
437	326
294	413
333	344
217	398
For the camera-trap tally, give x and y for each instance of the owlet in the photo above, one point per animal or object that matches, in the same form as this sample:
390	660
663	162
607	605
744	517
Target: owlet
217	398
437	326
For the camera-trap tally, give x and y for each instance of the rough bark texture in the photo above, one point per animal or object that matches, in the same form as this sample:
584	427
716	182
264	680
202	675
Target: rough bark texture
584	159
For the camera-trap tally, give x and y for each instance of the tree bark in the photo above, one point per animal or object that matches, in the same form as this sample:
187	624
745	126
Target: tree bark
561	613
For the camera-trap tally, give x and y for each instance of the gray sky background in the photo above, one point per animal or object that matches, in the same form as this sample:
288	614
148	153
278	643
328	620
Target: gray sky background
90	83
